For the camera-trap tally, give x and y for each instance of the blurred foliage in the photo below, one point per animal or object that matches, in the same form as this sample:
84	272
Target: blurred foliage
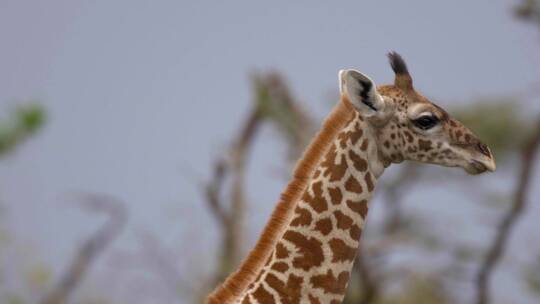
417	290
14	299
279	112
274	101
466	253
38	276
532	277
498	122
23	122
528	10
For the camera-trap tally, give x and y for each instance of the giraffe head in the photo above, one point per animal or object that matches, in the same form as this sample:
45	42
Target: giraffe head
408	126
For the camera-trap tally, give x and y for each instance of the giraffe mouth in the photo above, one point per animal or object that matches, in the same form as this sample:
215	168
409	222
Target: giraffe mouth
477	167
477	158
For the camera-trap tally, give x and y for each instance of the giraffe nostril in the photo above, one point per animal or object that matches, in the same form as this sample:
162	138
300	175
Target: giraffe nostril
483	149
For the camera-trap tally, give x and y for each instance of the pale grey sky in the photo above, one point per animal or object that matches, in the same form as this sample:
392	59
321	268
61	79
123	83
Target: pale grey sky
141	95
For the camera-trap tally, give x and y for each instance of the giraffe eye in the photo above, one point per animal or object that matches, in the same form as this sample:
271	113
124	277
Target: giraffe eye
426	122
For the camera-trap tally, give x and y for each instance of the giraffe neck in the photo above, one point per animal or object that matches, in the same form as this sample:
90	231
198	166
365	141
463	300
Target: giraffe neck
312	260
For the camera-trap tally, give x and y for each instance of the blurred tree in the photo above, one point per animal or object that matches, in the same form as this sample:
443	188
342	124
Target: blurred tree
500	240
527	10
272	103
532	277
498	122
87	253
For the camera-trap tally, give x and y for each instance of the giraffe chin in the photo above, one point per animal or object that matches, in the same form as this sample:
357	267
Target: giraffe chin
476	167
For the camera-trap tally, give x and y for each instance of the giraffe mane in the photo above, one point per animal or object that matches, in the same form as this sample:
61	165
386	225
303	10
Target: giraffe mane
238	281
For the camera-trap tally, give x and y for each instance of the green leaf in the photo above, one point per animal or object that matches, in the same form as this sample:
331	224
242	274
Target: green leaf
25	121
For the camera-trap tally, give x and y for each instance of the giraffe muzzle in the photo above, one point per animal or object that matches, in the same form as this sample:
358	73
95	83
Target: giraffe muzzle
482	165
478	158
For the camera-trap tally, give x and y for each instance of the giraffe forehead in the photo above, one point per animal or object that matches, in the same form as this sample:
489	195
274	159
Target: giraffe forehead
404	101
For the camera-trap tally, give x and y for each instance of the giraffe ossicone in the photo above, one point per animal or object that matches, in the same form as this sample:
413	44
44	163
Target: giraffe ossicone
306	251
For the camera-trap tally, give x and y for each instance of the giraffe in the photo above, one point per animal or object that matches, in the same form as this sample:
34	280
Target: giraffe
306	251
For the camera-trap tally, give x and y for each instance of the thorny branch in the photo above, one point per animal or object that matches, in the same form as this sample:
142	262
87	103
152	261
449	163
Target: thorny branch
91	248
498	245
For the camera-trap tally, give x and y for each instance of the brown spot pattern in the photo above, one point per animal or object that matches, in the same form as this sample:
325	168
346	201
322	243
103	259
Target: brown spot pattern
317	202
313	300
335	195
369	181
335	171
355	232
281	251
309	249
289	292
340	251
364	145
358	162
424	145
280	266
303	217
263	296
353	185
331	284
324	226
354	135
409	136
343	221
358	207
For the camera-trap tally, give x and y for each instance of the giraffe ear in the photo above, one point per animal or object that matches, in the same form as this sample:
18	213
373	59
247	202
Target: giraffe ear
361	92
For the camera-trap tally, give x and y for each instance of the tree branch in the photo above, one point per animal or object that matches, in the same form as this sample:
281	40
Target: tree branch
230	215
91	248
500	240
213	189
272	102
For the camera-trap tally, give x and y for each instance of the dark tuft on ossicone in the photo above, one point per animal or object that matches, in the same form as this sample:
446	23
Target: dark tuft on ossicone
397	63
